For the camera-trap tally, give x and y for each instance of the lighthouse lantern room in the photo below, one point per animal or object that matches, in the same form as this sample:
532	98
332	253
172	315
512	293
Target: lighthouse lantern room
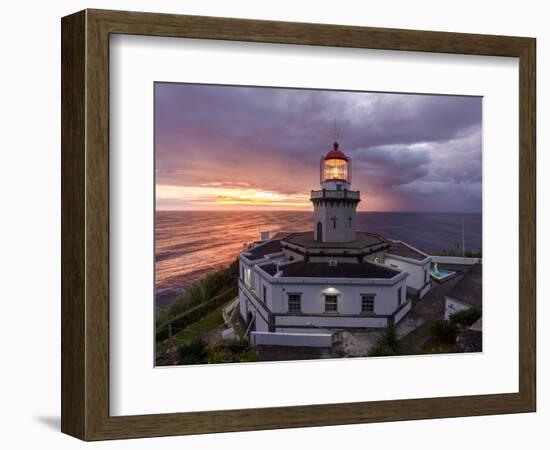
335	169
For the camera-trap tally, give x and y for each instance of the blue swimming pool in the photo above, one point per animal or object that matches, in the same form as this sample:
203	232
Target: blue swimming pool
440	274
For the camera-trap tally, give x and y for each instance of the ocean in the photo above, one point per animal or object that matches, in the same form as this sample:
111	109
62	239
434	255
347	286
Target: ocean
191	244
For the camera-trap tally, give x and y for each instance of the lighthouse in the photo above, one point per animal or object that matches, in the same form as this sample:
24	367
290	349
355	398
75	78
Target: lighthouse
300	287
334	216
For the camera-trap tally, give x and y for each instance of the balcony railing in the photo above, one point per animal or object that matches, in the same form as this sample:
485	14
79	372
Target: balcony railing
352	195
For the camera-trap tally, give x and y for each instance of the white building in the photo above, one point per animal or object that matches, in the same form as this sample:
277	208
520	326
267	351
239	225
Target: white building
299	288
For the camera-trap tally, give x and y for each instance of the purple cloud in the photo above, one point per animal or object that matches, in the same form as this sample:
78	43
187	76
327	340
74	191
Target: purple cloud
410	152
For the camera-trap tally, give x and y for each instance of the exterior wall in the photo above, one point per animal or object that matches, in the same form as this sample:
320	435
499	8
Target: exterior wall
295	255
452	306
333	185
455	260
261	324
321	323
249	304
243	307
292	339
425	289
349	258
265	298
343	231
419	275
402	313
349	297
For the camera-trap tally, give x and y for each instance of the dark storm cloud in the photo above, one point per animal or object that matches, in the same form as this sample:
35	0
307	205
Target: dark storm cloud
414	152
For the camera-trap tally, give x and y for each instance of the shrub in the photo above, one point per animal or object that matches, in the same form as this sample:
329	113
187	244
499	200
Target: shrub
466	317
212	285
444	332
389	338
232	351
381	350
387	343
195	352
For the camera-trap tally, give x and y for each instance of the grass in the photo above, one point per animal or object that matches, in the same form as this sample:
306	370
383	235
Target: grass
208	323
423	334
410	341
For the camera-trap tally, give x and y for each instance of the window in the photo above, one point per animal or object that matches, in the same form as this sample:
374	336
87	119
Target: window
264	294
319	231
399	295
331	303
367	303
242	273
425	275
294	303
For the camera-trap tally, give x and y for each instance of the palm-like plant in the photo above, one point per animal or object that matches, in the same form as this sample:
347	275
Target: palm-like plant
387	343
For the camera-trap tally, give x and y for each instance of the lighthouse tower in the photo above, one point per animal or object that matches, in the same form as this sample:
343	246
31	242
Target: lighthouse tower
334	216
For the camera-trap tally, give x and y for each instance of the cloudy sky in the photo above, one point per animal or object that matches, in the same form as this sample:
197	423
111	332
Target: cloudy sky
225	147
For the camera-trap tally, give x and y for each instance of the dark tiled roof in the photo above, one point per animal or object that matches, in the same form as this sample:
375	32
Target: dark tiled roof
469	288
306	239
399	249
324	270
282	234
271	269
258	252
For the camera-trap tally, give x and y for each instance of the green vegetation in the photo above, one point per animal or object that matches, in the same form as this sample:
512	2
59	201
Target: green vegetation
467	317
207	324
194	314
387	343
443	332
200	292
231	352
195	352
413	342
432	337
187	332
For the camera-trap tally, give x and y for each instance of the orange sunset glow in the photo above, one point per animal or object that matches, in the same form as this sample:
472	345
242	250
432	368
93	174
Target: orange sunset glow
203	197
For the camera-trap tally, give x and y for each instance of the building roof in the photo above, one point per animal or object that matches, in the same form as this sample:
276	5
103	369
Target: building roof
400	249
468	289
301	269
336	153
282	234
307	239
263	249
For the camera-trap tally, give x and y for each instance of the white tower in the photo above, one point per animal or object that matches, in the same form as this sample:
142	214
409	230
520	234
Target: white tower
334	216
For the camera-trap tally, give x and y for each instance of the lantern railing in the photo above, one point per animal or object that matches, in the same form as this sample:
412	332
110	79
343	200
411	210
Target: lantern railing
330	194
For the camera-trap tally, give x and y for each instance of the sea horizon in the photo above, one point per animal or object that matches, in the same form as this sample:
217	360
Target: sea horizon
310	211
190	244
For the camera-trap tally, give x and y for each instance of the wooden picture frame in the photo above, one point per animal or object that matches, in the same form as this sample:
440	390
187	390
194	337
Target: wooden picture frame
85	224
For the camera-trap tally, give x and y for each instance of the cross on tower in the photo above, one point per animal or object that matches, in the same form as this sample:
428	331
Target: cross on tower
334	219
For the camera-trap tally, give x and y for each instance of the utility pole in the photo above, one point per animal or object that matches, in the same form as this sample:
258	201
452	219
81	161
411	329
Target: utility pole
463	248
